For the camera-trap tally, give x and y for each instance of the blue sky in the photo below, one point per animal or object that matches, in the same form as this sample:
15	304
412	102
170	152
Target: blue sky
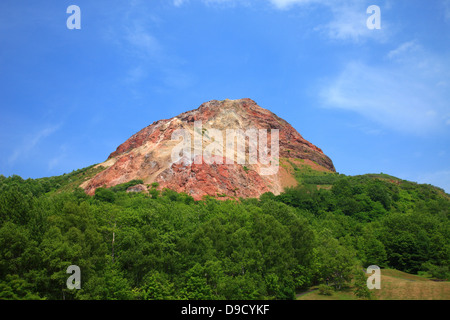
373	100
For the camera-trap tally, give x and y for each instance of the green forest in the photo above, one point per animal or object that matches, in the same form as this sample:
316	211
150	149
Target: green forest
165	245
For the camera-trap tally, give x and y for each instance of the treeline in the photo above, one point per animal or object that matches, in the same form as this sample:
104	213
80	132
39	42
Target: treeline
165	245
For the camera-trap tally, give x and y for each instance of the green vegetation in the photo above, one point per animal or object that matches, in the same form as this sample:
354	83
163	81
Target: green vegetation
395	285
325	290
155	184
125	186
165	245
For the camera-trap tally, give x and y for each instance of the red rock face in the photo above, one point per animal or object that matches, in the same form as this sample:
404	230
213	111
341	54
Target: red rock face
203	179
147	155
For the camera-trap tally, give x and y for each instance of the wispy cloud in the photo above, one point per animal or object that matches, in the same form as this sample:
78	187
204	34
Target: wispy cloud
30	143
55	161
136	74
178	3
410	93
287	4
347	22
403	50
278	4
141	42
144	50
348	18
446	7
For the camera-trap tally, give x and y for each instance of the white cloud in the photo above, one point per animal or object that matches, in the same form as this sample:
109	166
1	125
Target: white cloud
403	50
348	17
405	94
55	161
228	3
278	4
141	42
286	4
178	3
144	49
136	74
30	143
349	22
446	7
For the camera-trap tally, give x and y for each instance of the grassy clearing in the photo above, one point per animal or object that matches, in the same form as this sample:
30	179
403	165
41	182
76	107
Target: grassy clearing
395	285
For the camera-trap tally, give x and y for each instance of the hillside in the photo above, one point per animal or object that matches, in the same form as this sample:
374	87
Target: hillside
166	245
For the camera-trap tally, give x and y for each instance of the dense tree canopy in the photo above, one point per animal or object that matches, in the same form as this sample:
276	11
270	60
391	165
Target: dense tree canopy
165	245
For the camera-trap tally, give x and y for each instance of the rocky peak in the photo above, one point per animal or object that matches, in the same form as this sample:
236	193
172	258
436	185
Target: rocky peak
148	154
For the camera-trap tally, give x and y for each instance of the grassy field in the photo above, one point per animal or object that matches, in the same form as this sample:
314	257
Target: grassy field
395	285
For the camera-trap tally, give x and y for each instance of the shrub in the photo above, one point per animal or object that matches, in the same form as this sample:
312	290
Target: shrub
126	185
105	195
360	284
325	290
155	185
154	193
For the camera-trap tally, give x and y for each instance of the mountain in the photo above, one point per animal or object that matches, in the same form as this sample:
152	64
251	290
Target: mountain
196	153
164	245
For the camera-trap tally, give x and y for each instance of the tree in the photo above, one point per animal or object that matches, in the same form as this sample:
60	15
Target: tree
378	191
334	261
360	284
155	287
111	284
105	195
14	288
196	286
154	193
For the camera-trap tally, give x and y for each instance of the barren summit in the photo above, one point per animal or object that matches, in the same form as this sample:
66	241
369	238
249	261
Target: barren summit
148	154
